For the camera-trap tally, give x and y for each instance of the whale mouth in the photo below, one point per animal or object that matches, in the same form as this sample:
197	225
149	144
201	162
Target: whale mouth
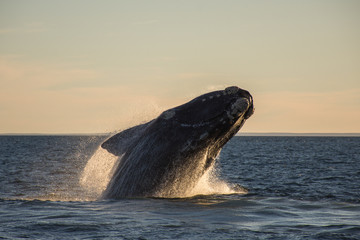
241	107
250	111
244	104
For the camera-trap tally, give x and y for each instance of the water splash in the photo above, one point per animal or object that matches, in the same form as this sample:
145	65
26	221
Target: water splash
98	172
210	184
100	168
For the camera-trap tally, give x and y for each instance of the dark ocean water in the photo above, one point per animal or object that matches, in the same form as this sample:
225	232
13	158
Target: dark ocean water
299	188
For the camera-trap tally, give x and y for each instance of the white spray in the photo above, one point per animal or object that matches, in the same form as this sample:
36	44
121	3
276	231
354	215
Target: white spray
100	167
98	172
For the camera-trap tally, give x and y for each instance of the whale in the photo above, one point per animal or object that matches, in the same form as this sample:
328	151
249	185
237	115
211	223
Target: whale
167	156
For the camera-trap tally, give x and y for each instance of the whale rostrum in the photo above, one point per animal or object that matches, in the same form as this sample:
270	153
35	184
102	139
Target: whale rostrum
166	156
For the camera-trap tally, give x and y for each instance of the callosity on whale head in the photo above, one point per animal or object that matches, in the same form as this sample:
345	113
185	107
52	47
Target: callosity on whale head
166	156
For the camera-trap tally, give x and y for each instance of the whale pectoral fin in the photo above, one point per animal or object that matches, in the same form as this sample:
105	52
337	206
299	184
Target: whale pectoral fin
119	143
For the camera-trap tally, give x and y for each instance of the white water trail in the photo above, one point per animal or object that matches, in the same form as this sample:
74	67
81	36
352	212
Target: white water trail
98	172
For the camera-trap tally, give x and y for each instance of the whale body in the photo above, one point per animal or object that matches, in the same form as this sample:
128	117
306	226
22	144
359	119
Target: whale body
165	157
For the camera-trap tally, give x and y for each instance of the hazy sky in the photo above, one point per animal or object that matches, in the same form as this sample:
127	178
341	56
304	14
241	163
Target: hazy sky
98	66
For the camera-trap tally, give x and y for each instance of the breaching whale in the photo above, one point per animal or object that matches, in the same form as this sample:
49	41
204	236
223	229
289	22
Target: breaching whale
167	156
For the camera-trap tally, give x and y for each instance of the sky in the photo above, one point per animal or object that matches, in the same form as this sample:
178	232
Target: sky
99	66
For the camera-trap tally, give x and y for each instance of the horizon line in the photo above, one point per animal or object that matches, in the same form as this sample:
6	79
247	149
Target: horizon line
280	134
305	134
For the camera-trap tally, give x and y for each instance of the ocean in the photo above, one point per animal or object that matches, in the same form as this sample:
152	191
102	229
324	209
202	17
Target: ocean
298	188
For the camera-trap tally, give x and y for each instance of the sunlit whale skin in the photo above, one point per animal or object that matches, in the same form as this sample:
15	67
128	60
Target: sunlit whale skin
166	156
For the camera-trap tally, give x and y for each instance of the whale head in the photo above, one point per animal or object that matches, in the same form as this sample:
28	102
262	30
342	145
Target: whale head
210	120
207	109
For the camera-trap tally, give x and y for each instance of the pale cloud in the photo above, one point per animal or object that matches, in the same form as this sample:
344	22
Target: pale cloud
8	30
146	22
32	27
35	27
16	73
